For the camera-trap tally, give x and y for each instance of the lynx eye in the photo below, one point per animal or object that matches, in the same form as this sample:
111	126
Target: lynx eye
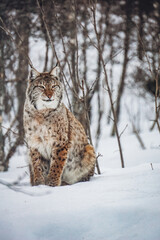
42	87
55	86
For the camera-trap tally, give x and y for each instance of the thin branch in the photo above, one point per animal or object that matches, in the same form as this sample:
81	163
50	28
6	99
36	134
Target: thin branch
123	130
152	166
135	130
15	188
97	164
17	134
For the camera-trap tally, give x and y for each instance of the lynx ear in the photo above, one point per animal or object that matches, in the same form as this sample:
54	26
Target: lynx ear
33	74
55	71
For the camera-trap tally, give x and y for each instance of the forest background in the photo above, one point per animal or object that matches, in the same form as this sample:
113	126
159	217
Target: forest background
109	55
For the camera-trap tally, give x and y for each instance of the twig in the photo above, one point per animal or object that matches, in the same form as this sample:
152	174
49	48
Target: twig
138	136
24	166
10	130
123	130
135	130
15	188
152	166
97	164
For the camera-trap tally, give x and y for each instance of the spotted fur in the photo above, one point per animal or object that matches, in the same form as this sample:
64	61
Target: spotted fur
59	151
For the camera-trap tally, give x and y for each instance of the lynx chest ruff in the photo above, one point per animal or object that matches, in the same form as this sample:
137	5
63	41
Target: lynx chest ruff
59	151
46	130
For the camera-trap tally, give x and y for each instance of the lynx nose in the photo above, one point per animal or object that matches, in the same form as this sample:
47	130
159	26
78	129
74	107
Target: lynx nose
49	95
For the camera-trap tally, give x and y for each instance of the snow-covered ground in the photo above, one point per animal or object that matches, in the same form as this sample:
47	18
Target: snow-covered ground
119	204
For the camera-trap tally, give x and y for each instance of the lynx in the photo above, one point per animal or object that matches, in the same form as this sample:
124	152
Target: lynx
59	152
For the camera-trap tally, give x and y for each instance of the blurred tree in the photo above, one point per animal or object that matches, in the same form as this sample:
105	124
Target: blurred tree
128	8
2	159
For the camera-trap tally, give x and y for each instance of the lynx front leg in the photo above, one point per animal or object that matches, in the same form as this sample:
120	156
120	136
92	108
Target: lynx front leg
57	164
36	168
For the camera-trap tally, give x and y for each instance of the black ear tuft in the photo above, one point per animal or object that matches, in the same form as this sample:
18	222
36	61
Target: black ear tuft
55	71
33	74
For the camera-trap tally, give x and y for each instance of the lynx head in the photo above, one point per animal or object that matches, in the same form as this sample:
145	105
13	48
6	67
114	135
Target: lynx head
45	89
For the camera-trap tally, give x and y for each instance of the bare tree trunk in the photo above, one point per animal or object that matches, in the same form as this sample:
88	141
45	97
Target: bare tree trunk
79	107
2	158
102	34
125	63
140	30
22	73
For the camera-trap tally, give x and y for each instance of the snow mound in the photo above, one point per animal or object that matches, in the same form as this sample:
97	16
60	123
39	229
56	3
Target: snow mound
119	204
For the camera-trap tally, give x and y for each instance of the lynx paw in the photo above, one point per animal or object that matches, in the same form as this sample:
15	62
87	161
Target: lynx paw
39	181
52	182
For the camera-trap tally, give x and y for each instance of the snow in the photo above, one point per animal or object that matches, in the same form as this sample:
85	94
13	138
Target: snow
119	204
